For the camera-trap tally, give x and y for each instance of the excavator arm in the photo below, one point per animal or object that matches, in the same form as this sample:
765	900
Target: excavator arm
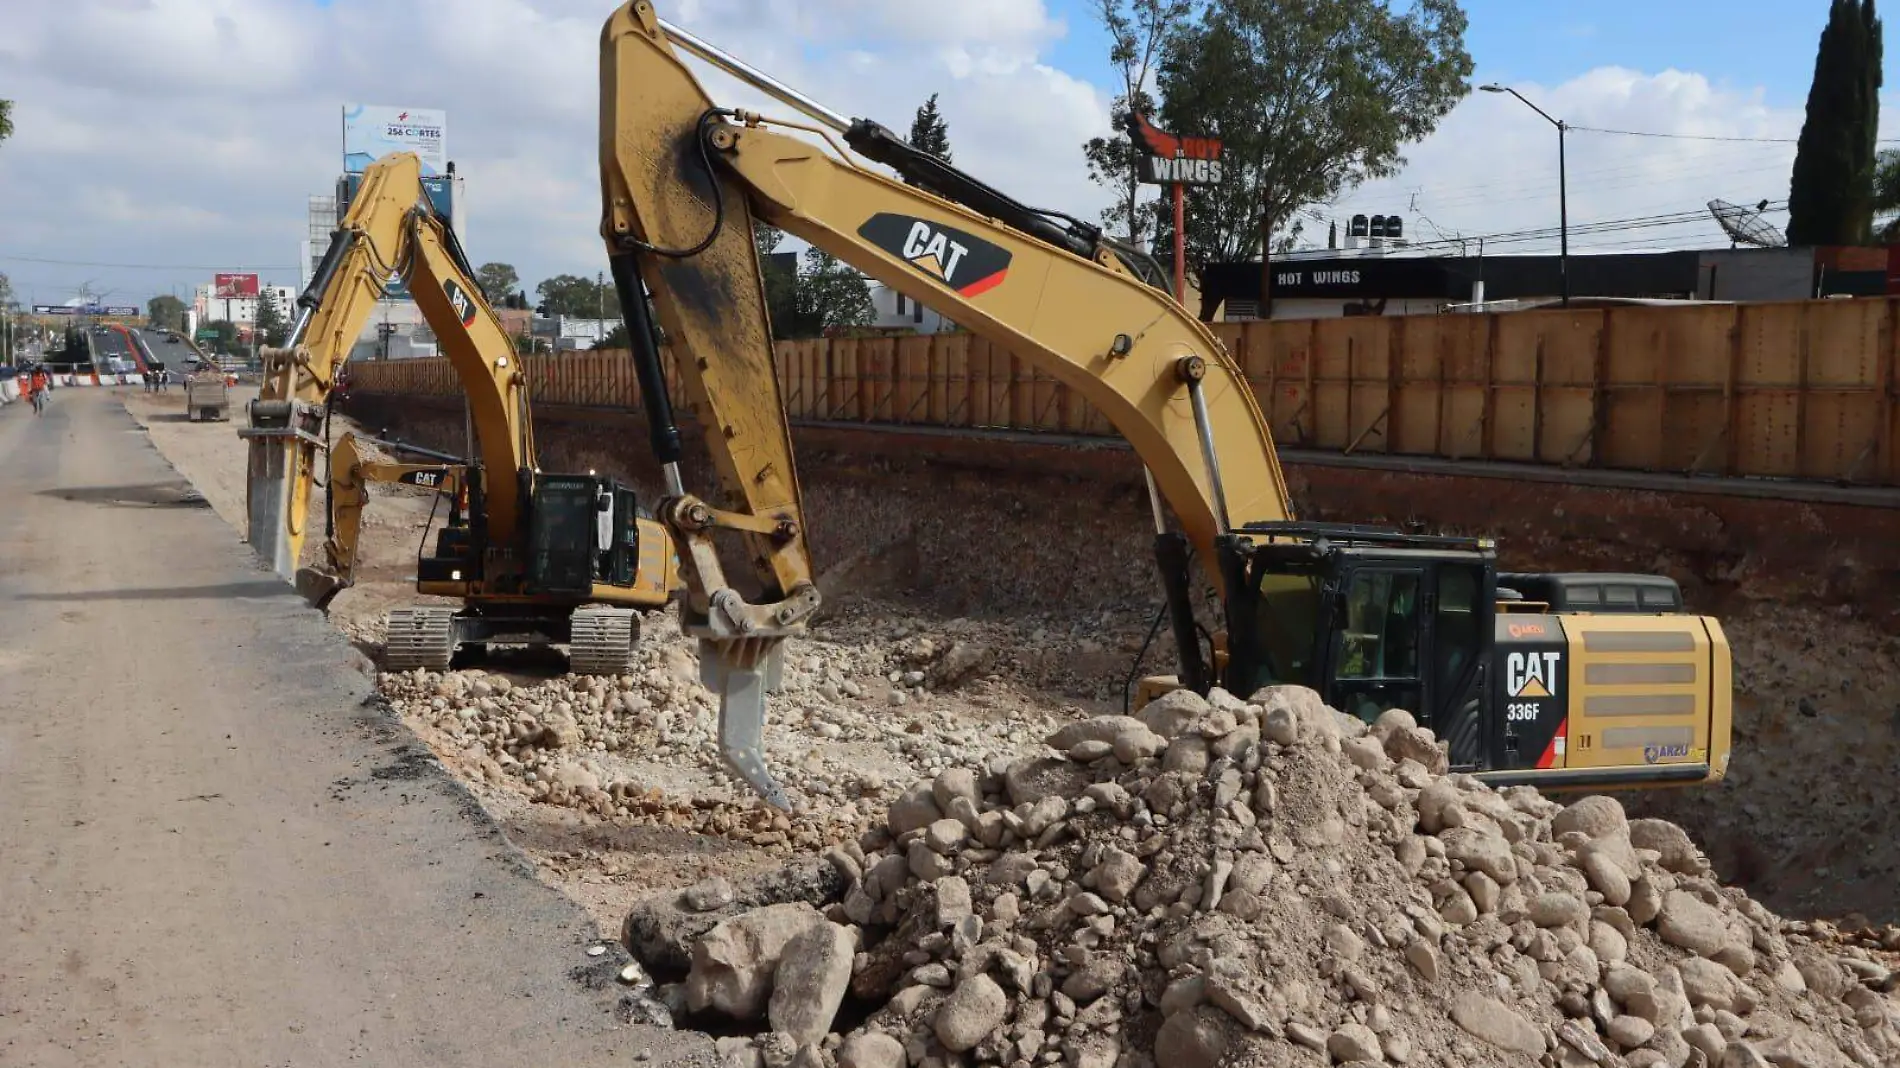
677	170
350	476
682	182
390	231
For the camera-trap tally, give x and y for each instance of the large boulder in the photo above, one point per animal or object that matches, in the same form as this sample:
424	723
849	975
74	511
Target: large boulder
1175	713
975	1008
810	982
734	963
1688	922
1595	816
660	930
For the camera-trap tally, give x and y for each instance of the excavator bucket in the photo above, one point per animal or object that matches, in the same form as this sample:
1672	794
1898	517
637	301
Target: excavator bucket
318	588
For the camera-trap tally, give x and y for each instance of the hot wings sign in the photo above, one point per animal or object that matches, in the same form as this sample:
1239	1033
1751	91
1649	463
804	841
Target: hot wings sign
1170	159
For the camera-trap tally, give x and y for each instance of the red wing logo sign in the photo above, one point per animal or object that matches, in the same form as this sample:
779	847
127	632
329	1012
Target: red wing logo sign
1169	159
965	263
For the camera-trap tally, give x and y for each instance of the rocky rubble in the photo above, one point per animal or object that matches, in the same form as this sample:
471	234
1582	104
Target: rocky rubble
854	722
1266	882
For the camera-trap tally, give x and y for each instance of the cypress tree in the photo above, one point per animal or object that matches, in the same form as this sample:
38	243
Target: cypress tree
929	132
1830	199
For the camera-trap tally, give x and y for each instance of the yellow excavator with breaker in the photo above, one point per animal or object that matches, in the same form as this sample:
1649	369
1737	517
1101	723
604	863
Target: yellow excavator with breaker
536	557
1563	680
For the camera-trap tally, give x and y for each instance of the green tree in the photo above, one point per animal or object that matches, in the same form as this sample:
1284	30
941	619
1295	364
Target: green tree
577	297
166	312
6	119
270	325
1138	31
781	280
1311	98
830	294
498	282
226	342
801	302
1887	196
1831	195
615	338
929	132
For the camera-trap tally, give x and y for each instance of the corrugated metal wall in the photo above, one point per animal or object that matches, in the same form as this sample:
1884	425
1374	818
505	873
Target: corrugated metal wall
1793	390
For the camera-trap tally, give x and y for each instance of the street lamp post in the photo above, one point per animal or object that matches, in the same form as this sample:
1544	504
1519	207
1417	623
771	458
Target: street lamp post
1563	189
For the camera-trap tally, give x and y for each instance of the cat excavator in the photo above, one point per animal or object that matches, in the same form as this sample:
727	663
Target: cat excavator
533	557
1562	680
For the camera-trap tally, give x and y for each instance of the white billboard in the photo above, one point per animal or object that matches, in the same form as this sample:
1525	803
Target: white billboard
371	131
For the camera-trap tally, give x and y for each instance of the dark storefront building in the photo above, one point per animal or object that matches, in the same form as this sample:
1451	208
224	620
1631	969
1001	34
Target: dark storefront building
1327	283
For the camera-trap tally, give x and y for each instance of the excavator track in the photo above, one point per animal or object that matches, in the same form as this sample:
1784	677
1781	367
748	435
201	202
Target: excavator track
419	638
601	640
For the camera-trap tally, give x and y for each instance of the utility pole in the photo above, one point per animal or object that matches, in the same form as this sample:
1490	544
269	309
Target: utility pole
1265	310
1563	188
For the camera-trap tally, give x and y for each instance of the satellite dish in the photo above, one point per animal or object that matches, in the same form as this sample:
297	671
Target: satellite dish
1745	226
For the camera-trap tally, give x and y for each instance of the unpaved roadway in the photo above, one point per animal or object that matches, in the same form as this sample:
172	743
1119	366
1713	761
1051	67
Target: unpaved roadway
215	848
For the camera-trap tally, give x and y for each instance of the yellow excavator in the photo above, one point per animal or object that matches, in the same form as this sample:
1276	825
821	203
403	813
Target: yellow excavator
536	557
1563	680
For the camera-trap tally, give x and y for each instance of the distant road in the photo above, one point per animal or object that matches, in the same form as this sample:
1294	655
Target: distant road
218	850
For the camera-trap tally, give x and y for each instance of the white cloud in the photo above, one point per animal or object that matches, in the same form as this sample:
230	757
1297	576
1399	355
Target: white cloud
190	132
1492	166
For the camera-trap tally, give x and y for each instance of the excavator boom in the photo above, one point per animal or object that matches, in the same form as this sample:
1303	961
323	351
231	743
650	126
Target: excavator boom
681	181
389	230
1141	362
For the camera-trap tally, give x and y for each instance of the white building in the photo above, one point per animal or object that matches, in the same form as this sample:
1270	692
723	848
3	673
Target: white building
241	311
319	223
894	311
565	333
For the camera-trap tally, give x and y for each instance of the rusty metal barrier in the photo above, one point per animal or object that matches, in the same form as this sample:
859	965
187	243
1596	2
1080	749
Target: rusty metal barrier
1801	390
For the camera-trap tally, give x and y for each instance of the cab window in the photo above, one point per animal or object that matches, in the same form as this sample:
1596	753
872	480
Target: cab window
1376	644
1380	636
1286	622
1456	627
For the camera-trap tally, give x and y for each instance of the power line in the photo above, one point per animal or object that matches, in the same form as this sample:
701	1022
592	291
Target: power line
149	266
1631	176
1602	226
1704	137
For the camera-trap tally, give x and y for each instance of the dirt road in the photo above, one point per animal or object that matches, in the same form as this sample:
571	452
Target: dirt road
216	849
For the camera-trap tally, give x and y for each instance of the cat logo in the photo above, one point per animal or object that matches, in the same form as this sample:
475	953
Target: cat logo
1532	675
460	301
933	251
964	262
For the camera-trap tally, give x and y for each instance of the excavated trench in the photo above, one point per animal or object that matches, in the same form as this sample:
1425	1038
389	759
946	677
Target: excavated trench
979	529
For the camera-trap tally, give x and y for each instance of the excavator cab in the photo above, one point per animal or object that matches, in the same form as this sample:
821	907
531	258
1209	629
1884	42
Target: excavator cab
1372	620
1601	679
582	530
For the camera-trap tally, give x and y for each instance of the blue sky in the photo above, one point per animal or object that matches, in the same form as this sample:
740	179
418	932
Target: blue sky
1765	44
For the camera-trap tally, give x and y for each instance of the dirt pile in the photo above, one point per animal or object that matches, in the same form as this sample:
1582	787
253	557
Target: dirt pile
1806	817
1265	882
854	722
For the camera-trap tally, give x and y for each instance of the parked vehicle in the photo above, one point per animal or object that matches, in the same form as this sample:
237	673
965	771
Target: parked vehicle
207	397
